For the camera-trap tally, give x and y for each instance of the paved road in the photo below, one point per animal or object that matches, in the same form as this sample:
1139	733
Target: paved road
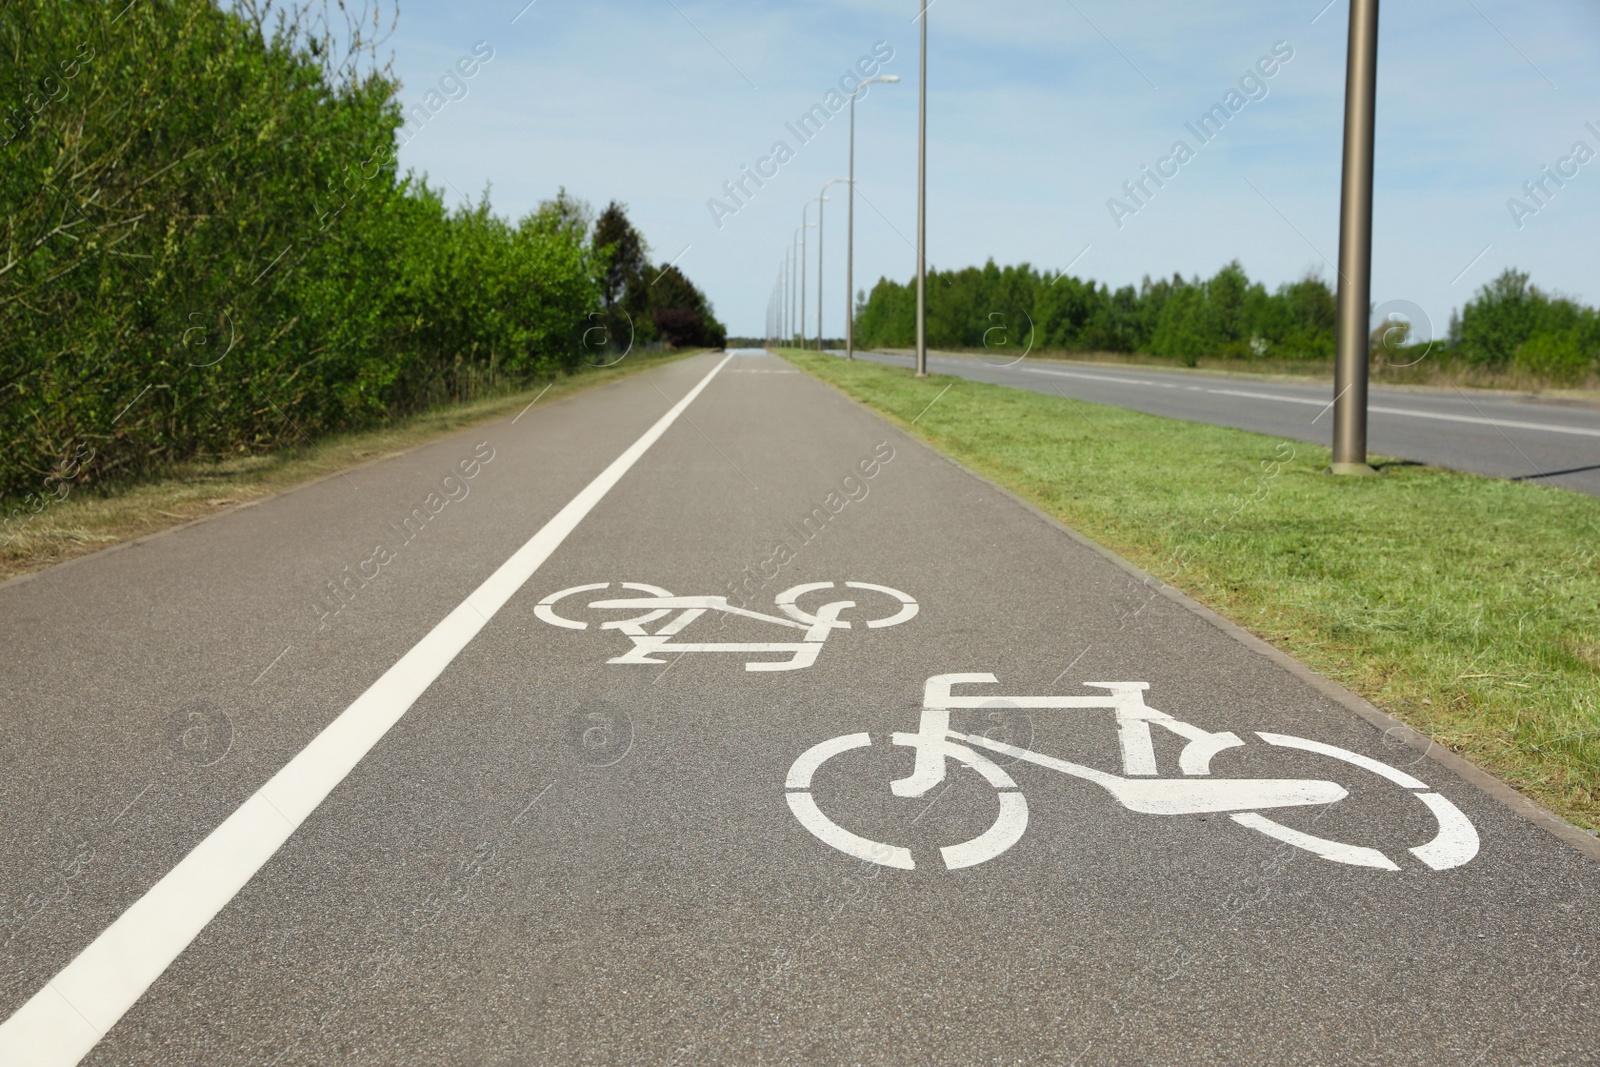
337	779
1557	443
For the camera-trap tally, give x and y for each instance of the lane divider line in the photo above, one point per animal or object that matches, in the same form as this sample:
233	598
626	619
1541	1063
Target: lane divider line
1475	420
69	1016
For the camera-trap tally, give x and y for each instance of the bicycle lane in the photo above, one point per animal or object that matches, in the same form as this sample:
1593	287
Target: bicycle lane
559	859
150	691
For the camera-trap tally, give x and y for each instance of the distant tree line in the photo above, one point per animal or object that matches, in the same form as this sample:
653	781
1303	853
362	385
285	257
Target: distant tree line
206	246
1508	324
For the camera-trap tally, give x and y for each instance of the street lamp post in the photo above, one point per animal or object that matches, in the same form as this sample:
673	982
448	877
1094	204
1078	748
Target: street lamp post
922	203
804	226
820	232
1355	243
850	228
794	257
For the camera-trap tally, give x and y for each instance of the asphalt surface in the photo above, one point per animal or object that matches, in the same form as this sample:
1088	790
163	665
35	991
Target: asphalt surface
1548	440
553	859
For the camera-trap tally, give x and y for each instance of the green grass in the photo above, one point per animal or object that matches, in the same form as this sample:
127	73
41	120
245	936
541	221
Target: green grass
95	518
1469	607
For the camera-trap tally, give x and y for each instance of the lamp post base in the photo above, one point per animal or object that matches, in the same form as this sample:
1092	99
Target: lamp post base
1359	470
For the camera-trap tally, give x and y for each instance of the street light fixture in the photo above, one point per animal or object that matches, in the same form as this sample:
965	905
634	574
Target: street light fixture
820	232
850	229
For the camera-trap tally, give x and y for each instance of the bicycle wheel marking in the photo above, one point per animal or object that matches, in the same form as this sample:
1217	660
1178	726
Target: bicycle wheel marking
1006	830
1337	851
1457	841
1139	788
805	808
1400	778
815	626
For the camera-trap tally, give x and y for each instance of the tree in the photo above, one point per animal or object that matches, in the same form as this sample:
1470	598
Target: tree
680	312
566	216
614	234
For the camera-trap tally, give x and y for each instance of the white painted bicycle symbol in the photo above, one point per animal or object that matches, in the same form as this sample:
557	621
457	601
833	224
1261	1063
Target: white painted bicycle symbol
1138	788
889	607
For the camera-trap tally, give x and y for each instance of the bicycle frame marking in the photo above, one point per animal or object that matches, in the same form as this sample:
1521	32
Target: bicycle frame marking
1138	788
648	646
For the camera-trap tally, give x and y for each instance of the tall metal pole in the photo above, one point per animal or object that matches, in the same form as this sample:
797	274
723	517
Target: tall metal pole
821	204
801	322
922	205
820	231
1355	243
850	243
804	226
850	227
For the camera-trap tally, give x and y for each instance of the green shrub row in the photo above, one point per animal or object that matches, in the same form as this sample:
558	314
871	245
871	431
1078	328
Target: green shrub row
207	247
1508	324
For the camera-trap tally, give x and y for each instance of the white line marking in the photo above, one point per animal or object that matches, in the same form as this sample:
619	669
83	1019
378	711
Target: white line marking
1485	421
66	1019
1475	420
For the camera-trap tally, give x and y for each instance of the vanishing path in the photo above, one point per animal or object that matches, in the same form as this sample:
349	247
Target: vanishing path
445	826
1555	442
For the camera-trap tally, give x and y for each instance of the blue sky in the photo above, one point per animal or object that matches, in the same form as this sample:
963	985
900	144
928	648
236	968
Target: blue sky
1038	113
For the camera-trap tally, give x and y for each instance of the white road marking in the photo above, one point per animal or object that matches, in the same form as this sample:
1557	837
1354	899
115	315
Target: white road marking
1413	413
936	743
68	1017
1457	841
1398	777
1006	831
646	646
1337	851
1482	421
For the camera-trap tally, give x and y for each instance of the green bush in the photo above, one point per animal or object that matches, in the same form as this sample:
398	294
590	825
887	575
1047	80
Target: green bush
207	246
1508	324
1226	315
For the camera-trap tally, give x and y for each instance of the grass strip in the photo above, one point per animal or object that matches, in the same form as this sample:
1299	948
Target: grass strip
43	530
1466	606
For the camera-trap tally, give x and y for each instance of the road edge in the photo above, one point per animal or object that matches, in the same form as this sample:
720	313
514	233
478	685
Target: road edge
1507	795
318	479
